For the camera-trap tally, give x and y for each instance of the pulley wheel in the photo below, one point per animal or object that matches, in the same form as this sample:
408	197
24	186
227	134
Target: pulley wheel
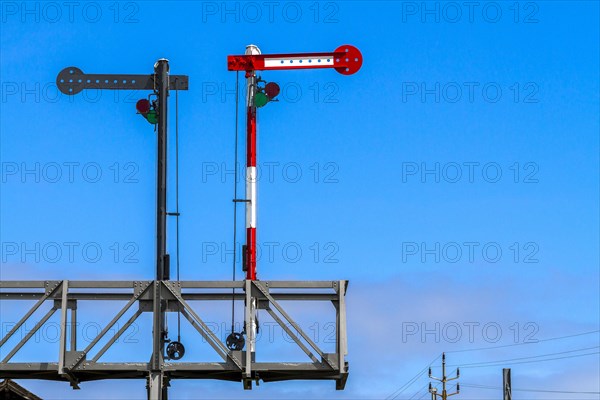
175	350
235	341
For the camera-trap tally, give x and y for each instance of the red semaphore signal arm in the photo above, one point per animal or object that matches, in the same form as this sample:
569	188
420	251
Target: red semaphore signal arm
345	59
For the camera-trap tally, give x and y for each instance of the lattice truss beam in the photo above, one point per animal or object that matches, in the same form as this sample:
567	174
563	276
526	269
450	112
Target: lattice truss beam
76	364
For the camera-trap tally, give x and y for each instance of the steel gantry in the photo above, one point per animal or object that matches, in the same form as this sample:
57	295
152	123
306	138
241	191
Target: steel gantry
76	363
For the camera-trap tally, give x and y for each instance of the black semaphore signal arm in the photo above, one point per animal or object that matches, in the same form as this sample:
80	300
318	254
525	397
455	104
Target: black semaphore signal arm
72	80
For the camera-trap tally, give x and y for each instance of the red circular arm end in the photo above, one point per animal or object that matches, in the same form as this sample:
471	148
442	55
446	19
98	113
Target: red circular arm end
348	59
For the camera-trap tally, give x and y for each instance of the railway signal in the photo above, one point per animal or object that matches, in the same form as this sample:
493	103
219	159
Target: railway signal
345	59
71	81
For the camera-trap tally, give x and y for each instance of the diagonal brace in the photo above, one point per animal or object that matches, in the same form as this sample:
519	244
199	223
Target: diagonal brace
117	335
31	311
30	334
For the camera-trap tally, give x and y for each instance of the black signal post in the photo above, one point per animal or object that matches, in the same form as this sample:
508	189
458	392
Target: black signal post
161	71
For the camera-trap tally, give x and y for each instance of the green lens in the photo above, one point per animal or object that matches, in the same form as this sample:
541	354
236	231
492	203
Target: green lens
260	99
152	117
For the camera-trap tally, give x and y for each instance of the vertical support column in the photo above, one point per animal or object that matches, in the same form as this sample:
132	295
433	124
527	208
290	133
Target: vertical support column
156	387
63	327
74	327
251	173
341	328
342	341
157	328
250	327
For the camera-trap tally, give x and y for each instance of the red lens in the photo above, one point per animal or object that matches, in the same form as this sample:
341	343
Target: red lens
142	106
272	89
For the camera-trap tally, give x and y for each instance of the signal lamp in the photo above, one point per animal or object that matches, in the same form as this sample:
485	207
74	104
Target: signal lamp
152	117
260	99
266	94
272	90
145	108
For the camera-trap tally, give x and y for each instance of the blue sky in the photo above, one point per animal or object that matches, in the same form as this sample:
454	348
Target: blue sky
453	180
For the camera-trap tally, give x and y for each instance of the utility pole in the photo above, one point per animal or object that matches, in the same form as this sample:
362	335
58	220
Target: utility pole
444	379
506	384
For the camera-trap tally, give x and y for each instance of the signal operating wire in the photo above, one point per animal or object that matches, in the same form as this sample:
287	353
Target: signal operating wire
177	199
235	178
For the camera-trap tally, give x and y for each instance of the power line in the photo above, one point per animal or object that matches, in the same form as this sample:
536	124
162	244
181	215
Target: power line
410	382
525	343
402	388
529	357
527	390
425	387
427	392
534	361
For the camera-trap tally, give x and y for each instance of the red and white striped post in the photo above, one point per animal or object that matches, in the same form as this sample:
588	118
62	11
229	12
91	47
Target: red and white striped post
251	172
251	186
